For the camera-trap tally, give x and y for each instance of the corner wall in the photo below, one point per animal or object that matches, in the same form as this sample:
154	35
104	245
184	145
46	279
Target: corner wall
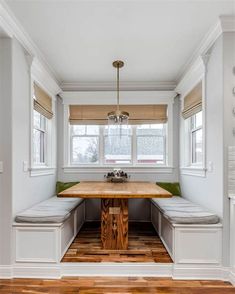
27	190
211	191
5	150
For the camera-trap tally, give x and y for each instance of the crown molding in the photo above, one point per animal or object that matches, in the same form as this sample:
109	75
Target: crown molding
225	23
109	97
111	86
13	29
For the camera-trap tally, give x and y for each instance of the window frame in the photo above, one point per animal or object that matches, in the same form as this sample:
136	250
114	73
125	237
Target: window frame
43	131
101	163
48	167
84	136
193	130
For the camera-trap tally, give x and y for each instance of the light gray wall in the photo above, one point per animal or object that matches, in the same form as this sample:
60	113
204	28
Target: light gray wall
229	124
211	191
5	150
18	190
27	190
208	191
138	209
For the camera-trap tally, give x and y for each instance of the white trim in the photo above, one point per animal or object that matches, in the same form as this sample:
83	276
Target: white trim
42	171
57	271
13	28
124	86
109	97
35	271
103	170
117	269
6	272
231	277
199	272
191	78
193	171
223	24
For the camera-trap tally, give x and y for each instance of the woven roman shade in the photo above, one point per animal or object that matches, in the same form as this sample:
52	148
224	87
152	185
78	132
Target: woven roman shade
193	102
97	114
42	102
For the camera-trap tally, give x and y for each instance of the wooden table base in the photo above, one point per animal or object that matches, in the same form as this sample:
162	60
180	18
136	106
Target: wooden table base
114	223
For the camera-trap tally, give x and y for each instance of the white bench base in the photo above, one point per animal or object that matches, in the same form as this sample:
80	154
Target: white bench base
46	243
189	244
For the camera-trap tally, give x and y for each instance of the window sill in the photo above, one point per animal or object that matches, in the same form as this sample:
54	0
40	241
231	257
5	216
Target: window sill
193	171
131	169
42	171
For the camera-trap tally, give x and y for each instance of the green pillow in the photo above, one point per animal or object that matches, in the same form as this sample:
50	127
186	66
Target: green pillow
61	186
173	188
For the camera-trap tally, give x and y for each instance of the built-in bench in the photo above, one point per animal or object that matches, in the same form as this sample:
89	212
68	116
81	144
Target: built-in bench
44	232
191	234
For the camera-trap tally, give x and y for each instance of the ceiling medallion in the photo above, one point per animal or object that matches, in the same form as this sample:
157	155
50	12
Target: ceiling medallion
118	117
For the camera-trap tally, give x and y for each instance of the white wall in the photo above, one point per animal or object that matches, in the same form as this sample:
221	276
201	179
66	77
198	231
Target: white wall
139	209
5	150
229	124
27	190
208	191
211	190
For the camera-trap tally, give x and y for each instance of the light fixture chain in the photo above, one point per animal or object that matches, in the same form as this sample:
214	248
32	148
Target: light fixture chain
118	88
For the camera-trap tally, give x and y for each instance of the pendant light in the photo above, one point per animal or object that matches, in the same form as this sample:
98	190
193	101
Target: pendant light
118	117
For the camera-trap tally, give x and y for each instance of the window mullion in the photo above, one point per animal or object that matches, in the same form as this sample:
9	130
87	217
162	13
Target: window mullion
134	146
101	145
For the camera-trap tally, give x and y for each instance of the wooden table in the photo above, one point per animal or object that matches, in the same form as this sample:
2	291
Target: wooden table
114	206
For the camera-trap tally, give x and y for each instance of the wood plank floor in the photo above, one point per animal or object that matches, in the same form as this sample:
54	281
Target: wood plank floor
115	285
144	246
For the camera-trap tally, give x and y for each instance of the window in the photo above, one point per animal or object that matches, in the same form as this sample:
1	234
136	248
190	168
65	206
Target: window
111	145
151	144
39	138
84	144
117	145
196	138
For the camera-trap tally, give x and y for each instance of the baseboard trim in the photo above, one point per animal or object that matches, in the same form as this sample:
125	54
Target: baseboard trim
88	269
231	277
199	272
37	271
117	269
6	272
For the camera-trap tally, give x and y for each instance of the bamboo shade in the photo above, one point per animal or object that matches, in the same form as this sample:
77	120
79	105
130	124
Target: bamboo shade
193	102
97	114
42	102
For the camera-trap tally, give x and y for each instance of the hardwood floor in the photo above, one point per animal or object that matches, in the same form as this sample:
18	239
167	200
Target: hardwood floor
112	285
144	246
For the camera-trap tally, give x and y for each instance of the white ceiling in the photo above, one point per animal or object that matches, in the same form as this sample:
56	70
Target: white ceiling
80	39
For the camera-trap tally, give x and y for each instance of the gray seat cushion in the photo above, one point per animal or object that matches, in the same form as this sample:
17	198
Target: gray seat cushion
52	210
181	211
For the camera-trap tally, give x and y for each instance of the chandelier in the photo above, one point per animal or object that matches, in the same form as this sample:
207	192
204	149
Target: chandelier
118	117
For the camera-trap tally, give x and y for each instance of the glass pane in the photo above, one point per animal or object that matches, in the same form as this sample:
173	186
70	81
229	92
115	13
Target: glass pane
197	146
78	130
117	149
92	130
198	119
85	150
113	130
154	130
150	150
36	119
38	146
39	121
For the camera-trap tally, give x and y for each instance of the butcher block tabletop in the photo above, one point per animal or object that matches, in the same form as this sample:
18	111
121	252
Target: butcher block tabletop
116	190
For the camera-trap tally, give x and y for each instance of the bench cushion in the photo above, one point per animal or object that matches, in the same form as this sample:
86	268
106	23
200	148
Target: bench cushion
52	210
181	211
